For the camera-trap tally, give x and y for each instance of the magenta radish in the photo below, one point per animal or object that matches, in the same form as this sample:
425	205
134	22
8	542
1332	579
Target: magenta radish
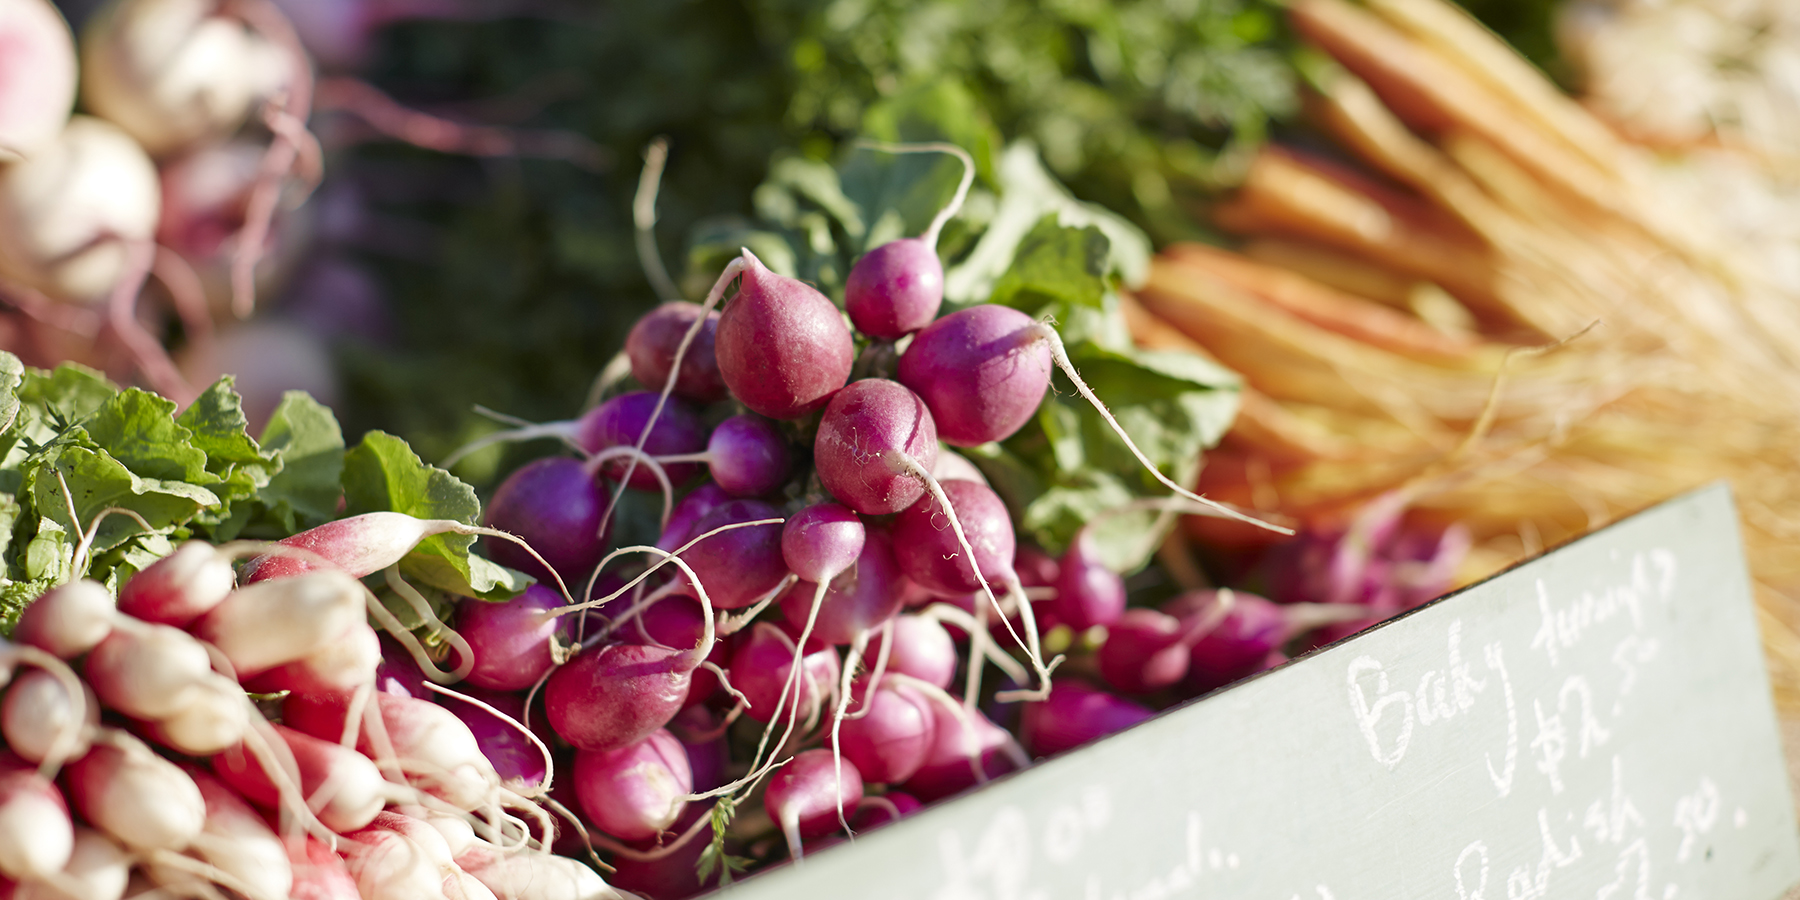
886	809
37	713
69	619
175	73
981	370
760	668
180	587
36	836
808	794
874	439
921	648
138	798
652	343
619	422
433	746
273	623
554	505
967	749
614	695
896	288
356	788
37	77
678	623
927	548
635	792
892	732
698	502
1087	592
740	566
397	672
512	640
858	599
148	671
782	347
746	455
821	541
1145	651
67	211
1075	714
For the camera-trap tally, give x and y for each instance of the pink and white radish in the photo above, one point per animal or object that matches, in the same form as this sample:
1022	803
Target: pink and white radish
272	623
37	713
433	748
98	869
37	76
344	787
178	588
36	835
138	798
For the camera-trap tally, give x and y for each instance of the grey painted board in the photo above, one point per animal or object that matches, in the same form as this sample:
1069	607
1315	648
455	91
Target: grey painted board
1594	723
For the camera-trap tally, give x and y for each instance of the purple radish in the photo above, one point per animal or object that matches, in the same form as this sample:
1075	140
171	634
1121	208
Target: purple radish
709	758
698	502
1145	651
554	505
873	440
635	792
1239	645
398	673
760	669
620	421
677	622
981	370
613	695
740	566
517	759
651	347
886	809
1075	714
822	540
1035	567
896	288
746	454
511	640
929	553
922	649
858	599
892	733
806	797
783	347
1087	592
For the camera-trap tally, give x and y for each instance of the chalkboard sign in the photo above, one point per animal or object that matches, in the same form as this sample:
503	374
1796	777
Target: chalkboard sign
1594	723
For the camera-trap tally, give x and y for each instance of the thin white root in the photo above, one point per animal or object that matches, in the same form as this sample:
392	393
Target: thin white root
729	624
643	220
549	759
422	607
650	463
1061	355
837	720
961	618
562	431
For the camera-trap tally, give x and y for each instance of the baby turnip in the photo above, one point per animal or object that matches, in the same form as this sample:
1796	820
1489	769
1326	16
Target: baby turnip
68	211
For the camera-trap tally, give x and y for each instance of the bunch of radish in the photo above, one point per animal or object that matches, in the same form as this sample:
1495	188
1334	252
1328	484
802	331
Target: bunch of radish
832	581
137	762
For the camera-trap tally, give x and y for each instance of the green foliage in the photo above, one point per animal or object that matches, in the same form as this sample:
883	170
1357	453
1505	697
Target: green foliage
83	461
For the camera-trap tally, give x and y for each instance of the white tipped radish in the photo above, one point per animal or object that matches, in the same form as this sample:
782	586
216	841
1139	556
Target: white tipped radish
273	623
138	798
67	620
404	858
36	836
214	718
148	671
98	869
180	587
542	876
37	712
344	665
237	842
438	753
175	73
344	788
68	211
37	76
319	873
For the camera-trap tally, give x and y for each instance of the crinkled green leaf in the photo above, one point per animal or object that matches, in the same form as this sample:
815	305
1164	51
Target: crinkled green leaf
15	596
383	473
12	372
97	482
68	393
306	490
138	429
216	420
129	558
1054	264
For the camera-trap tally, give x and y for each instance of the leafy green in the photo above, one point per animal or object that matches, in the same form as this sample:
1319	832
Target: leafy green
306	489
384	474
